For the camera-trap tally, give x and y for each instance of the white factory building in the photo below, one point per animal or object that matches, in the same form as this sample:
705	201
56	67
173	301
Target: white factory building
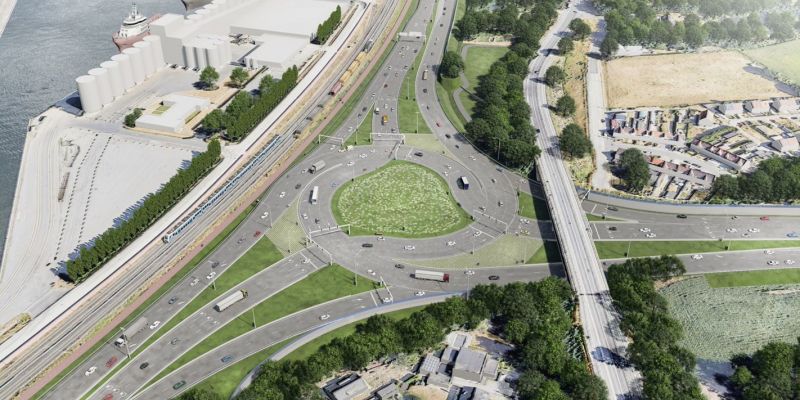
179	110
279	35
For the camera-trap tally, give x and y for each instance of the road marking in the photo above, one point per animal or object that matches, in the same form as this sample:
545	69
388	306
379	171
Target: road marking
373	298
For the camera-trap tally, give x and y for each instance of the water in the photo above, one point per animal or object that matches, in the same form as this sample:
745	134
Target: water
45	46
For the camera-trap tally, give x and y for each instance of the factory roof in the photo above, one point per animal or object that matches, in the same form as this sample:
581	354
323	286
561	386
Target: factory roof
173	119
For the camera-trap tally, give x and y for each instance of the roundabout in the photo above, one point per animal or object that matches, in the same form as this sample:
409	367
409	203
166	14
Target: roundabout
400	199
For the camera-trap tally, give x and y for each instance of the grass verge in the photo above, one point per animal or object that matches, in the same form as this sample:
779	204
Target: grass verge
600	218
548	253
362	135
408	111
647	248
754	278
531	207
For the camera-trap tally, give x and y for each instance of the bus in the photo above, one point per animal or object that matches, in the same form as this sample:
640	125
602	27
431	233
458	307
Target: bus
314	194
464	182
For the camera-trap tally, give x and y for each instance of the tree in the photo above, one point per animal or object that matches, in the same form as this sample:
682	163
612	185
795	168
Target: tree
580	28
238	77
635	170
565	45
565	106
266	83
214	121
451	65
573	141
199	394
130	119
208	78
554	76
609	46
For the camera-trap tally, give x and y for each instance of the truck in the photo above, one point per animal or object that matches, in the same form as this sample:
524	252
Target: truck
385	119
431	276
234	297
335	89
131	331
425	75
317	166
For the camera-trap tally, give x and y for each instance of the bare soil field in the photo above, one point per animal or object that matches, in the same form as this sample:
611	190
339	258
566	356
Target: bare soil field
684	79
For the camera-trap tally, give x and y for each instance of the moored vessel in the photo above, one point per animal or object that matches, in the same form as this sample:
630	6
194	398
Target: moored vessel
133	29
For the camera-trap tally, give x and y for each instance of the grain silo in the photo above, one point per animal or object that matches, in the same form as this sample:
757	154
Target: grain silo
147	57
137	64
103	85
125	70
90	96
158	50
114	77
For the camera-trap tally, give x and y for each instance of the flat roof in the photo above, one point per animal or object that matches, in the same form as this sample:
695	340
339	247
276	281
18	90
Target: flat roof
298	17
470	360
276	48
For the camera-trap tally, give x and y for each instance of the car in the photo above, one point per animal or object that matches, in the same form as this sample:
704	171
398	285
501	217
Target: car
418	153
399	266
746	234
108	396
769	252
211	275
381	238
226	359
451	243
409	247
90	370
612	208
144	365
282	195
469	272
732	230
111	361
172	300
194	281
350	163
681	216
155	324
419	293
493	277
438	124
298	186
651	235
256	233
764	218
178	385
425	90
644	230
734	217
265	215
754	230
387	299
791	234
324	317
789	262
367	245
772	262
174	341
612	228
697	257
500	203
447	135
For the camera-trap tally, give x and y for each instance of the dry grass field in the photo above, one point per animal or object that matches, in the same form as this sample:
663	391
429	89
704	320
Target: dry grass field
683	79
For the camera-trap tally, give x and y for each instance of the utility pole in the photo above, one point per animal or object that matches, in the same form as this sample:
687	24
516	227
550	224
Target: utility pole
628	252
417	130
253	312
125	340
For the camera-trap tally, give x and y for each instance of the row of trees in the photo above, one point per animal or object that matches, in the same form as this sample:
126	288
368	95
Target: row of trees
245	111
326	29
107	244
500	122
632	22
769	374
667	369
775	180
535	317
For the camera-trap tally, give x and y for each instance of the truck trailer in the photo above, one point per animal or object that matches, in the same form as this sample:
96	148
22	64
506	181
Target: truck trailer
234	298
431	276
131	331
317	166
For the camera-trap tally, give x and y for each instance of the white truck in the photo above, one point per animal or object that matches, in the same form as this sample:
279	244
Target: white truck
317	166
130	331
431	275
231	300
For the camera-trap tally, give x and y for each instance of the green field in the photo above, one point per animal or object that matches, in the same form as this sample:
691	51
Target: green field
361	136
400	199
533	208
599	218
444	93
285	232
721	322
337	281
781	58
308	349
477	63
754	278
407	107
549	252
608	249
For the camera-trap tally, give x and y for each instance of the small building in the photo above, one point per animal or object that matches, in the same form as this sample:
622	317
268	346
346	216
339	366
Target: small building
469	364
785	105
356	389
723	156
705	118
438	380
728	109
786	145
490	368
388	392
429	365
757	106
175	111
449	355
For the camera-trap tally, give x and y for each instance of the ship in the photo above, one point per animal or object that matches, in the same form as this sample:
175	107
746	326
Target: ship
133	29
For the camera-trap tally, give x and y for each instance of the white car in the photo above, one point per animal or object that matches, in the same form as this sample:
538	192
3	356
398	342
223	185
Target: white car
381	238
409	247
644	230
90	370
211	275
282	195
265	215
323	317
451	243
350	163
477	233
651	235
732	230
387	299
769	252
420	293
746	234
155	324
697	257
469	272
754	230
194	282
772	262
789	262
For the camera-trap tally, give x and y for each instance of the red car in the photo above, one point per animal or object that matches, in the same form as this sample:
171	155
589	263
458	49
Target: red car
257	233
111	361
108	396
765	218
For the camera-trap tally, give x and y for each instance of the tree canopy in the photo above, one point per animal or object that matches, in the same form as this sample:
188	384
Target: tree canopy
565	106
635	170
574	142
208	78
451	65
776	180
555	75
238	77
327	27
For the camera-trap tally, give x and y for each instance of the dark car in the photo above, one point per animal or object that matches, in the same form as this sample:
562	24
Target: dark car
418	153
682	216
298	186
399	266
227	359
493	277
172	300
612	208
144	365
178	385
447	135
612	228
367	245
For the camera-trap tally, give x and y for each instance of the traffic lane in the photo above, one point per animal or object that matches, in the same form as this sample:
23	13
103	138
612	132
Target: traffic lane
207	320
734	261
697	228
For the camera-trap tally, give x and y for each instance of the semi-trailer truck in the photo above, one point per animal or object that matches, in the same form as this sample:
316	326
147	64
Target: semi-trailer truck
235	297
431	275
317	166
131	331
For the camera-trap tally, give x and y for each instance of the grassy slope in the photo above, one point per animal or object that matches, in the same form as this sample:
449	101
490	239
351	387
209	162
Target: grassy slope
549	252
781	58
408	108
477	63
533	208
644	248
445	86
362	135
167	286
754	278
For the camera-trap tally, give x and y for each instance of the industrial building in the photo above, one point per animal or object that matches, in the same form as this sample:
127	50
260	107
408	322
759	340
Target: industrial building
179	110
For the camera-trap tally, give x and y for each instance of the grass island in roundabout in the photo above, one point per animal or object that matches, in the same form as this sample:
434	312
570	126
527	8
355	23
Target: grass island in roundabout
400	199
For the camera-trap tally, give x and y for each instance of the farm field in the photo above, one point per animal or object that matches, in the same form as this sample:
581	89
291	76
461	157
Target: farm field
740	319
400	199
679	79
754	278
780	58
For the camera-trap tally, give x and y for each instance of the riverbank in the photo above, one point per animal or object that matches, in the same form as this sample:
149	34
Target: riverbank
6	8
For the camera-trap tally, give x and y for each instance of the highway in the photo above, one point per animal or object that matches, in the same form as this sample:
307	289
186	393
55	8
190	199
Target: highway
600	322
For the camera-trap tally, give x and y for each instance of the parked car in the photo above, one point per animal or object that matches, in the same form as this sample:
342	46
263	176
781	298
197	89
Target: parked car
324	317
227	359
155	324
493	277
111	361
90	370
172	300
367	245
612	228
682	216
399	266
764	218
144	365
697	257
772	262
419	293
178	385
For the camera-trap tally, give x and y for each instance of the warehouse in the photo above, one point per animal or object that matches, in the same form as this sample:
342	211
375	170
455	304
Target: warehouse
175	112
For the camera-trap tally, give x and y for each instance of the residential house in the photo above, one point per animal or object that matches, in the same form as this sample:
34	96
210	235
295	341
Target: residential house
705	118
729	109
723	156
785	105
469	364
757	106
786	145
